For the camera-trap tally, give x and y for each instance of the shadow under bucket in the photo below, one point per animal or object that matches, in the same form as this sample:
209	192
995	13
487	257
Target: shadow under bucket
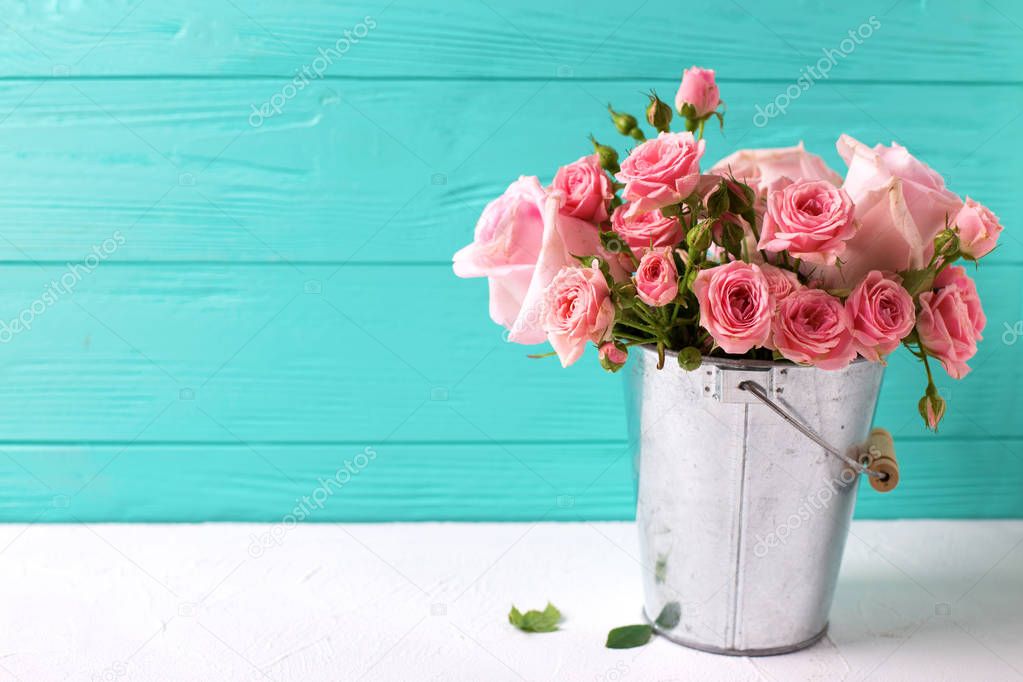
742	520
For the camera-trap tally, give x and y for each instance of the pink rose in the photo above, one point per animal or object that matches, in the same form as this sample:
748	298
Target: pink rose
661	171
978	229
644	231
951	320
882	314
811	220
699	90
735	305
657	278
506	247
901	205
765	170
587	189
813	327
578	310
521	242
612	356
780	282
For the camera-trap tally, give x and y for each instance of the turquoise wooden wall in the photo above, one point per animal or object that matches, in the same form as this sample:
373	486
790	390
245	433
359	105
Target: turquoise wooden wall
225	308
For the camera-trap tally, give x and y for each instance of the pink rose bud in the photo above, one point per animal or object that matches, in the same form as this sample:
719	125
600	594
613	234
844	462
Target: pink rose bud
661	171
882	314
657	278
735	305
932	407
951	320
811	220
978	229
612	356
780	282
587	189
699	91
578	310
643	231
812	327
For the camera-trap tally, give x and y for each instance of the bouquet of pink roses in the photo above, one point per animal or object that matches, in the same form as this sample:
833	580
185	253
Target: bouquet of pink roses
769	254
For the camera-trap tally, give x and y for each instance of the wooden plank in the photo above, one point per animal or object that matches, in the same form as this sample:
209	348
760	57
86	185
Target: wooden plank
278	355
967	478
398	172
906	41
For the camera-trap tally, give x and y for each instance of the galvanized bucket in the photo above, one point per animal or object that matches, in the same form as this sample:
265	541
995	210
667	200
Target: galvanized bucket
742	520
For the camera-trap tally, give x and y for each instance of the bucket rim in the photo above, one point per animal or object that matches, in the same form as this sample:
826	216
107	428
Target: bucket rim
742	363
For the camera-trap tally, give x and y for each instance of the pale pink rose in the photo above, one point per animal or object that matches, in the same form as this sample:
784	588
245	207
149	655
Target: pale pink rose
735	305
521	242
780	282
643	231
578	310
951	320
765	170
661	171
587	189
978	229
506	247
810	219
612	356
657	278
882	314
812	327
698	89
901	205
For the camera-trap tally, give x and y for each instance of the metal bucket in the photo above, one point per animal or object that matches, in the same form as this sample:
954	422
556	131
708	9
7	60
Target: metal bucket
742	520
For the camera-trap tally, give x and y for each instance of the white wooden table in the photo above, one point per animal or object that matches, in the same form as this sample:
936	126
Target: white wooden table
917	601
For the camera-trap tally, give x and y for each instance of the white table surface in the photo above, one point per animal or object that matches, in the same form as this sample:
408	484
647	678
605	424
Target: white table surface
918	600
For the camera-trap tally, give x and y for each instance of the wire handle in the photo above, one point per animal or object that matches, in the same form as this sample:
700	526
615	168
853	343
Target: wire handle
758	391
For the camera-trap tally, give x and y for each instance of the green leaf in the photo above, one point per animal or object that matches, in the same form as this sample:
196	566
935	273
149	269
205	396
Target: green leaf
670	615
536	621
629	636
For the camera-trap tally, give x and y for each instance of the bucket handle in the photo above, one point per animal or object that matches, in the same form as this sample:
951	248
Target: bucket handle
882	478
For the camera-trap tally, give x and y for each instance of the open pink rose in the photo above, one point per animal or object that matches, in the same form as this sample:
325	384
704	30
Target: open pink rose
661	171
765	170
506	247
951	320
644	231
882	314
522	240
657	278
810	219
587	189
901	205
578	310
978	229
812	327
780	282
735	305
698	89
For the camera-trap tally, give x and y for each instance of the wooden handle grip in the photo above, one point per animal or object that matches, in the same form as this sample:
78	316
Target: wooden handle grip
881	451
